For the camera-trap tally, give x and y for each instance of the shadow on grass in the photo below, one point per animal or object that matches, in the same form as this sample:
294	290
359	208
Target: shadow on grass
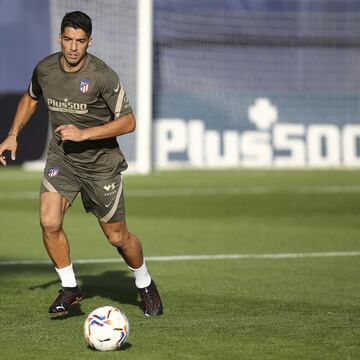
112	285
115	285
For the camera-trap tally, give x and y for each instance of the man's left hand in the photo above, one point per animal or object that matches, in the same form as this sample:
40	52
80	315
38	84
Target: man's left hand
70	132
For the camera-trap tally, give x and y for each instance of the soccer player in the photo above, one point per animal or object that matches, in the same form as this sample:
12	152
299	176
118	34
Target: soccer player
88	109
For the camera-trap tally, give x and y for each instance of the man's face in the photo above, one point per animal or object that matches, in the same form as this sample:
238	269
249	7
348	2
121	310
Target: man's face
74	43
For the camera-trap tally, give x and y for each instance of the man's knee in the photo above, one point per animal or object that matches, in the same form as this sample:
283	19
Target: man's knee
119	239
52	210
117	234
50	224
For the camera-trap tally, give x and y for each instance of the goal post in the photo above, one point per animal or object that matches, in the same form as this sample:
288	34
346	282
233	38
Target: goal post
144	86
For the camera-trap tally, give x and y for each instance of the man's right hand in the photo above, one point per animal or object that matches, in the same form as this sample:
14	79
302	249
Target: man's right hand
10	143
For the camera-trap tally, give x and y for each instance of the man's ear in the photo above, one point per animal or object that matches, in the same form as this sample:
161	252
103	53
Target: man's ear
90	41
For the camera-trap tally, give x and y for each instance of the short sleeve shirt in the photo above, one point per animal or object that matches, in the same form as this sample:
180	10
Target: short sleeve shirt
92	96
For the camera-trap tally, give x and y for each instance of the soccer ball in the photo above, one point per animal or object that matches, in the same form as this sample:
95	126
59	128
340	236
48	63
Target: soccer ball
106	328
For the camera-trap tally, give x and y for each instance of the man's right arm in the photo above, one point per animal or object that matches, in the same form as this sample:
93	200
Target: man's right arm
26	107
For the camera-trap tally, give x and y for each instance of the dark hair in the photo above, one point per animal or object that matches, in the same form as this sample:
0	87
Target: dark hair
77	20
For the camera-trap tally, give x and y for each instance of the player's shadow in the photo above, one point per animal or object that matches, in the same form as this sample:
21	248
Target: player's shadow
116	286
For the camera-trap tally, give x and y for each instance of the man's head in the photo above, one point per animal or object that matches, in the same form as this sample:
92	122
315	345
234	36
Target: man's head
77	20
75	38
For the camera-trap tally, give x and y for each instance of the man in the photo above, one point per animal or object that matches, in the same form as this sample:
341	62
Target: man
88	109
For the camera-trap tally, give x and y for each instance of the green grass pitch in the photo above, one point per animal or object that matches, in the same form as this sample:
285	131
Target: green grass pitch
254	308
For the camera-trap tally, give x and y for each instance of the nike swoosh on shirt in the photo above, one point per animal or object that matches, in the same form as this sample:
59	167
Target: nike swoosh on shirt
117	88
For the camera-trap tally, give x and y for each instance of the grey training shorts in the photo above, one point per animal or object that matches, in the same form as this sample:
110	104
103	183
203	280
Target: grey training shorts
104	198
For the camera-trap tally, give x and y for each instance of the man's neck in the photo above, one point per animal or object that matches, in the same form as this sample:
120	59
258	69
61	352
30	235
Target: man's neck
70	68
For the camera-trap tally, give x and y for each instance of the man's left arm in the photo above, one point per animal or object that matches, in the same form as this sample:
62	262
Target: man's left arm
123	125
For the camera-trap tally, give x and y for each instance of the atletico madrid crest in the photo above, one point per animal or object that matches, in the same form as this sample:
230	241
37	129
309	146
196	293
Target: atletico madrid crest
54	171
84	85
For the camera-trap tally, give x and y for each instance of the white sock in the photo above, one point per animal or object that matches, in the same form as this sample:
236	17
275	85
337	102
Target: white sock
67	276
142	277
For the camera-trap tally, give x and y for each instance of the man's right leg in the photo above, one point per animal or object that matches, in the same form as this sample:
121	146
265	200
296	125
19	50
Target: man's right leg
53	207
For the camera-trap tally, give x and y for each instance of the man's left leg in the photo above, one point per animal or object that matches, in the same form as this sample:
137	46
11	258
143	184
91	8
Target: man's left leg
129	247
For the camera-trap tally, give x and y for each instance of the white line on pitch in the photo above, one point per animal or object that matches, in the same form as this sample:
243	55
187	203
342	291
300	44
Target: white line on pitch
195	257
211	191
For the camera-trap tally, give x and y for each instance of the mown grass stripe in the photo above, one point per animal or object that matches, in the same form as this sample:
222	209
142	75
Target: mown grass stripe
211	191
195	258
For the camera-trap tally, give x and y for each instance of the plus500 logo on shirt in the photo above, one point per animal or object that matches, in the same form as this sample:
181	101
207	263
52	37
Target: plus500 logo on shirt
67	106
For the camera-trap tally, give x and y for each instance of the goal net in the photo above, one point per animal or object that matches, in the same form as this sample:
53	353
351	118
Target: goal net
257	83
